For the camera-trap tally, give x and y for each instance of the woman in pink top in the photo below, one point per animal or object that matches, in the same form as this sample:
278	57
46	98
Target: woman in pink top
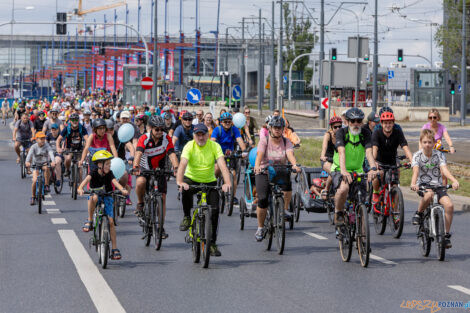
440	131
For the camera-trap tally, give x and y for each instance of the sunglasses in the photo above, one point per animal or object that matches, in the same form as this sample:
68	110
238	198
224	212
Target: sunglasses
227	121
158	129
247	112
432	117
357	121
337	127
74	120
187	119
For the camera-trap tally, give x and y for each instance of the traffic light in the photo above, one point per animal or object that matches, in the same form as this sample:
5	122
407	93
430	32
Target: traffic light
452	89
400	55
326	88
366	57
61	28
333	54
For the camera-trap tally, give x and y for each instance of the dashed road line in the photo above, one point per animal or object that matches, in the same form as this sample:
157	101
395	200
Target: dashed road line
382	260
59	221
460	288
100	293
50	202
320	237
53	211
48	196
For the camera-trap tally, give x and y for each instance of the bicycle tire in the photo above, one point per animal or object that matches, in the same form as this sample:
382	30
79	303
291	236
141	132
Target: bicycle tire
424	239
242	212
195	243
363	235
440	235
98	241
231	196
279	224
369	196
58	190
147	224
268	228
221	196
104	242
157	222
122	207
397	219
345	241
291	211
22	165
238	171
75	179
380	219
206	239
296	207
95	229
39	190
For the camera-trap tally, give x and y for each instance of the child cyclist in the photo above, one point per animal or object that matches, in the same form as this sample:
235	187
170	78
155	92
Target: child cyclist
102	178
429	166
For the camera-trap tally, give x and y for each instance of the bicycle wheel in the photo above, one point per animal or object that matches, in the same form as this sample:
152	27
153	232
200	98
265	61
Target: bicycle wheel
231	195
206	239
363	234
122	207
296	207
268	229
104	242
440	235
157	222
242	212
73	179
39	189
397	212
221	195
345	240
238	171
147	221
369	196
330	207
22	164
279	224
195	241
423	237
58	190
380	219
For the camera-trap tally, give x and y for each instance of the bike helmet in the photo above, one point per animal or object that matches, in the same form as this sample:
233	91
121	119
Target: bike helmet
109	124
335	119
186	115
354	114
385	109
142	117
74	116
87	112
387	116
156	121
277	121
42	113
101	156
268	119
166	116
317	182
226	116
54	110
98	123
324	174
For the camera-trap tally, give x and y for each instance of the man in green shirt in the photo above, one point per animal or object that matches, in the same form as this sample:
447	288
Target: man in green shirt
197	168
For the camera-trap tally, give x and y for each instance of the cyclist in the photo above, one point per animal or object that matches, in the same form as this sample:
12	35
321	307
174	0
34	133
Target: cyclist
51	139
5	110
184	132
169	125
196	168
20	111
372	120
329	142
87	123
102	178
353	145
40	153
277	150
151	151
52	119
440	131
290	133
39	122
429	167
250	127
23	132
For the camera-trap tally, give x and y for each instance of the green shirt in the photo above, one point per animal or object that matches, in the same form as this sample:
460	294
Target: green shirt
354	149
201	160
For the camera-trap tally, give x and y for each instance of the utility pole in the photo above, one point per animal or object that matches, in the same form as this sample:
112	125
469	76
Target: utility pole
242	70
463	70
260	69
272	91
376	61
280	94
155	55
322	48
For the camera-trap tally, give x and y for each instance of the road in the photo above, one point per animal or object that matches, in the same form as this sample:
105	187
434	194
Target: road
47	266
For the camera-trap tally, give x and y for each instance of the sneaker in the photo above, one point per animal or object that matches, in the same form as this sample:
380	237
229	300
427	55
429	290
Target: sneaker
47	189
447	241
128	201
57	183
185	223
67	173
287	216
417	218
215	250
259	234
375	198
164	234
235	201
33	201
339	219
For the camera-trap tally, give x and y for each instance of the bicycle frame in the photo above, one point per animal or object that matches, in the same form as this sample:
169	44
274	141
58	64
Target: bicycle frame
432	210
202	203
249	199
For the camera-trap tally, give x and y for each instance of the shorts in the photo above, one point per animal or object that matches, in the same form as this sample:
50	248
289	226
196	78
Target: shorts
108	205
161	183
60	155
441	193
262	189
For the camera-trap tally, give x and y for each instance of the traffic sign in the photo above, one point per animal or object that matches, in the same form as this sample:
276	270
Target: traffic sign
460	88
284	79
391	74
193	95
325	102
236	92
147	83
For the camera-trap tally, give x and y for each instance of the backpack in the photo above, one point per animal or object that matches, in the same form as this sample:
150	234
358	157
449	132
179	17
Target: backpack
231	133
69	129
355	144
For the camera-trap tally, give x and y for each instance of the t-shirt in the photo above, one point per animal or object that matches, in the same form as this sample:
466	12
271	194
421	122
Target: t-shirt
24	130
38	124
274	154
429	168
201	160
441	129
355	149
49	122
99	181
226	138
387	146
40	155
52	141
183	136
153	153
74	139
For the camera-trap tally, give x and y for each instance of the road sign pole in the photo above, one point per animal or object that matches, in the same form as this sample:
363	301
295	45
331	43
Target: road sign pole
229	94
463	69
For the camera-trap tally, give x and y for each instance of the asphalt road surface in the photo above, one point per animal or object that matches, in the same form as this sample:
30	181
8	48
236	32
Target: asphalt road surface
46	265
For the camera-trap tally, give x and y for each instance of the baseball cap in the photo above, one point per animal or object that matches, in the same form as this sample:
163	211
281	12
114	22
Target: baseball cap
373	117
55	126
125	114
200	128
40	135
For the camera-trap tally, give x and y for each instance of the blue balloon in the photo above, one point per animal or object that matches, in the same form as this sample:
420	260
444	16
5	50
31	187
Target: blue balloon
126	132
239	120
252	156
118	167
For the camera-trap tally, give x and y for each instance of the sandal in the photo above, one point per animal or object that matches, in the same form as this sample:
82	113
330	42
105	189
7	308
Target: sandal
88	226
115	254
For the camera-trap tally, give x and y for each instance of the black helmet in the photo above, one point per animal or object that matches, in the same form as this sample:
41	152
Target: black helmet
156	121
98	123
74	116
109	124
187	115
277	121
385	109
354	114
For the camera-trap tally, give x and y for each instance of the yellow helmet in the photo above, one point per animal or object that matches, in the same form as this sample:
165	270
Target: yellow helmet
101	155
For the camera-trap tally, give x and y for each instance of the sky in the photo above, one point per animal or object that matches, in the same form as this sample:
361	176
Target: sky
402	23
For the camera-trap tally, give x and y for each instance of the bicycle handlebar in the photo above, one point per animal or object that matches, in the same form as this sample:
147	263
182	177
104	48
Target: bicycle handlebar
100	192
204	187
156	172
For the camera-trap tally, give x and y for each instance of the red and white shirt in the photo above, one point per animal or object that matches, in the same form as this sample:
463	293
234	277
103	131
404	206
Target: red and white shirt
153	154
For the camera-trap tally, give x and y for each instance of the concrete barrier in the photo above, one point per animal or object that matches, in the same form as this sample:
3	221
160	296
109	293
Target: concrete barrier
412	114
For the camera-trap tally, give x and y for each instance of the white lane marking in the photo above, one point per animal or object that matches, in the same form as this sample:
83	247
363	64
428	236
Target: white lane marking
59	220
100	293
51	202
315	235
385	261
53	211
48	196
460	288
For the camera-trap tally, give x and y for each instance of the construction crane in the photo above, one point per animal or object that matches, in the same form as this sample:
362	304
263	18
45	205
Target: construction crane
80	12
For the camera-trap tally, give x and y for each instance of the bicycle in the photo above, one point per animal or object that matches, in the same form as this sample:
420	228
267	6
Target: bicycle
226	198
119	207
391	205
247	206
152	220
53	179
75	178
25	144
356	224
40	183
200	231
432	225
101	230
